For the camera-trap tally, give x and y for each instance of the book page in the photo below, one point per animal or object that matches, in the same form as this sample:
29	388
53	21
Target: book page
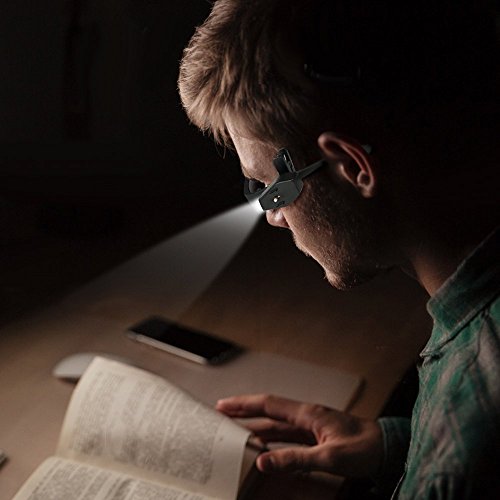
138	423
62	479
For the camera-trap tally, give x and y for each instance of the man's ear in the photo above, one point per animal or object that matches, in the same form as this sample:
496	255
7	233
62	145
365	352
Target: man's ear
353	163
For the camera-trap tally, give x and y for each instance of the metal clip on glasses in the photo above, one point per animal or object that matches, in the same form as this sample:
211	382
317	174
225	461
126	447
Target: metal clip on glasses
286	188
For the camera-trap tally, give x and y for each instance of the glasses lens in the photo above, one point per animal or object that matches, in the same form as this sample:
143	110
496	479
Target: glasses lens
254	186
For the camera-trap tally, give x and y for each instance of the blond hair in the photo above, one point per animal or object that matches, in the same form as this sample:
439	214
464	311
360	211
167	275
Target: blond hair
244	64
232	68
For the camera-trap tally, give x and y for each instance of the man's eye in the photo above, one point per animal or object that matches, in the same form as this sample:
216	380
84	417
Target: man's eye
254	185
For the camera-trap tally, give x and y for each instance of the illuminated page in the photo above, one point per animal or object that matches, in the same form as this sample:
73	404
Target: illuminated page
138	423
61	479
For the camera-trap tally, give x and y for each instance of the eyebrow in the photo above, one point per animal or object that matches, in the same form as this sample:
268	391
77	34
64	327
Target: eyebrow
258	176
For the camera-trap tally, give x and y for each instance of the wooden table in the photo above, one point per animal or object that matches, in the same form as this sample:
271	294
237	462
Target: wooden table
269	298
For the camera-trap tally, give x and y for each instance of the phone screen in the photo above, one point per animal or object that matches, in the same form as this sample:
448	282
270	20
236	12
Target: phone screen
181	340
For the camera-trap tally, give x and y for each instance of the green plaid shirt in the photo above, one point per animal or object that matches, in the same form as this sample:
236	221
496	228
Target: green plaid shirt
452	448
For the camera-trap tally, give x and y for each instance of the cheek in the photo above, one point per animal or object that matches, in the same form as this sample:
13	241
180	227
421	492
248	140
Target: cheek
302	224
310	221
304	216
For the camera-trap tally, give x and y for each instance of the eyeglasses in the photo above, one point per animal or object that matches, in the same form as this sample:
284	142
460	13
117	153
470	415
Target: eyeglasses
287	186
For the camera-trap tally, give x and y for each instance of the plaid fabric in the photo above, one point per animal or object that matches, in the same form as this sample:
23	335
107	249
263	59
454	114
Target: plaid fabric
454	450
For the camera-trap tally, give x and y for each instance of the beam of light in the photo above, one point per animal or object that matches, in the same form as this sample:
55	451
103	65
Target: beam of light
255	204
173	274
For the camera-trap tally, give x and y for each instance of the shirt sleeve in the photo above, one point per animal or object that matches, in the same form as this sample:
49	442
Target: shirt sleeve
396	434
479	482
452	487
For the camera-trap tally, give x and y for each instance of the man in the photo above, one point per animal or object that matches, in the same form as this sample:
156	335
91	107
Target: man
395	105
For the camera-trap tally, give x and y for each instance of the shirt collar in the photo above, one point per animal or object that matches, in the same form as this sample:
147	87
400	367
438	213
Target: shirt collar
474	284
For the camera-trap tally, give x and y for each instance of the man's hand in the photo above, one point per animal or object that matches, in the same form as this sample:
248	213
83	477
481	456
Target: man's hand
338	442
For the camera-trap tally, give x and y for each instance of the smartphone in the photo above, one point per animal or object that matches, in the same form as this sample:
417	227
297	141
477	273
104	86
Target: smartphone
183	341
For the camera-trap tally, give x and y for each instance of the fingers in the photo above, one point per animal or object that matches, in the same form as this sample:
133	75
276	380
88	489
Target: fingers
274	431
296	459
340	443
256	405
261	405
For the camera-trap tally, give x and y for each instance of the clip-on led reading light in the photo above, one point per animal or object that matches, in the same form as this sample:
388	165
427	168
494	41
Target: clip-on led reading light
286	188
288	185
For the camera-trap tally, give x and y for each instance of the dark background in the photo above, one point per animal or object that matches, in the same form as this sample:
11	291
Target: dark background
97	159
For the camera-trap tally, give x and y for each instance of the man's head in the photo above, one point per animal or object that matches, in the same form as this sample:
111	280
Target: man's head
324	77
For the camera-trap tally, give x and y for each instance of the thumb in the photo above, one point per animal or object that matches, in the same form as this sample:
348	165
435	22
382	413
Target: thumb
299	458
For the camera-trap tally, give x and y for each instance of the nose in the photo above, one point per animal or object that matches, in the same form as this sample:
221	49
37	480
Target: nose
276	218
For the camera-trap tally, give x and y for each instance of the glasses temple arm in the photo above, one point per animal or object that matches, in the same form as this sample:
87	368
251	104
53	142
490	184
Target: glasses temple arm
310	169
321	163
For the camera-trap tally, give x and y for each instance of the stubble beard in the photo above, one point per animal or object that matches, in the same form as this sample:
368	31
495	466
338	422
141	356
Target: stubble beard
338	236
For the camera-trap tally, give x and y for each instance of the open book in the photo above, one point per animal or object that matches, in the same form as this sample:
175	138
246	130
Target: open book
131	435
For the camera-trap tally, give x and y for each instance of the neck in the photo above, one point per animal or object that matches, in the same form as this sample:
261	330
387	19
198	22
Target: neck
446	212
435	257
432	268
